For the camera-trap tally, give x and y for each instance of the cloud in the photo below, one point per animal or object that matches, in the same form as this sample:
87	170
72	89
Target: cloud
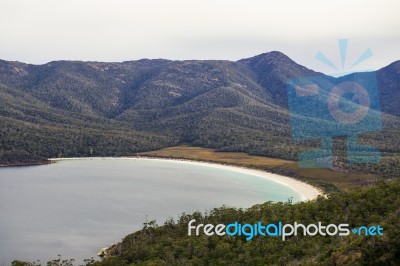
44	30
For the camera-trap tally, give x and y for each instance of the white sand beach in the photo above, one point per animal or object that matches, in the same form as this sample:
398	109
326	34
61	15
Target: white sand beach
306	191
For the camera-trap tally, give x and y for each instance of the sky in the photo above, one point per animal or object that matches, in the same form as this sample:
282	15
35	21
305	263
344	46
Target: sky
121	30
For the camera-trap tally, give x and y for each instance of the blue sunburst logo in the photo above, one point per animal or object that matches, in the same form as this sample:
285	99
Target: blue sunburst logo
343	53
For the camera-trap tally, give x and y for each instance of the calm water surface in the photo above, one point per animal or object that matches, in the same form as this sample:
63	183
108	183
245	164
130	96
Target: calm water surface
76	207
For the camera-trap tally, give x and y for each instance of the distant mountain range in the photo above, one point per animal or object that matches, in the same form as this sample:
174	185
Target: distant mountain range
73	108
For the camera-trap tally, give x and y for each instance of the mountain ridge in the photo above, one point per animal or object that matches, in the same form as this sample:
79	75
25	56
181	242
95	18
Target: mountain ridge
229	105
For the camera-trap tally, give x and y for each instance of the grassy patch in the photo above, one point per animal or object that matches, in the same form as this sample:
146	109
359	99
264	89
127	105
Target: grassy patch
326	179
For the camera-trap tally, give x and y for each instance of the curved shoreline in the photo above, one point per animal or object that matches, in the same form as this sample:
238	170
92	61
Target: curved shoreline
306	191
17	164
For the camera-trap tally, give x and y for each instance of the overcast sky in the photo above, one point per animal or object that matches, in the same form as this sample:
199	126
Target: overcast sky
39	31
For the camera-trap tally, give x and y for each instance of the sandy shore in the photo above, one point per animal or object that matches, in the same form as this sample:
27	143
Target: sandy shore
306	191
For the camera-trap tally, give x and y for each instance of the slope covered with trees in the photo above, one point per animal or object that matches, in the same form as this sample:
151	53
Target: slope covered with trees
170	244
72	108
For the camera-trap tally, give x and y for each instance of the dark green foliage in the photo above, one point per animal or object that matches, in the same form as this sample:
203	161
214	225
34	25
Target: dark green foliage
170	245
23	263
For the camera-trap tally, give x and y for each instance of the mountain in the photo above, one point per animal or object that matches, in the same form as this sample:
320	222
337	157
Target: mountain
73	108
272	70
389	85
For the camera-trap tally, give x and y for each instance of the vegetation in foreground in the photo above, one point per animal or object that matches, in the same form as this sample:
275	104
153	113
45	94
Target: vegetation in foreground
348	201
169	244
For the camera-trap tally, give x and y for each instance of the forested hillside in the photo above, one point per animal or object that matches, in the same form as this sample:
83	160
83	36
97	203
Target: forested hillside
170	244
72	108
